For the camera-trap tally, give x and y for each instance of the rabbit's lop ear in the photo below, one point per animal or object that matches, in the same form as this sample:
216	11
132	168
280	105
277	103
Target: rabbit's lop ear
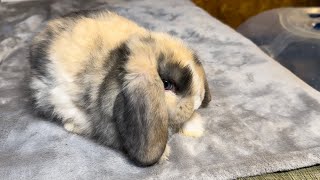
144	127
143	122
207	95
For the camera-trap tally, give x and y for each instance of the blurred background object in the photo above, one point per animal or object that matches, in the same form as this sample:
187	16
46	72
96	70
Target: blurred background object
235	12
292	37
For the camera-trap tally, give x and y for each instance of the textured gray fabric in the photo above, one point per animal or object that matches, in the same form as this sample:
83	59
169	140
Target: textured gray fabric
262	118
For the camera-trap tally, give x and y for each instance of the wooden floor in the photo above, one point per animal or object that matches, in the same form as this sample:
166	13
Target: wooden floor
234	12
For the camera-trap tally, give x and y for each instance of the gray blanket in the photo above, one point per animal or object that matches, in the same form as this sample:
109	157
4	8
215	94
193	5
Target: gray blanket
262	118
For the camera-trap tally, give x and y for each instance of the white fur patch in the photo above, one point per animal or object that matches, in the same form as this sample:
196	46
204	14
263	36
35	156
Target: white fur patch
69	127
193	127
73	118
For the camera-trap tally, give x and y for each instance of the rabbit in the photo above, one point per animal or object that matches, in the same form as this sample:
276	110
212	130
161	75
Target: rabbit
104	77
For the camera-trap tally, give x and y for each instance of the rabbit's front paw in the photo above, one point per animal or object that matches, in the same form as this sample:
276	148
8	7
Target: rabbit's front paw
193	127
73	128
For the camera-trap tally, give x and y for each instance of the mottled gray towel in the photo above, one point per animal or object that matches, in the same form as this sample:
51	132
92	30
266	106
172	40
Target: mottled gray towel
262	118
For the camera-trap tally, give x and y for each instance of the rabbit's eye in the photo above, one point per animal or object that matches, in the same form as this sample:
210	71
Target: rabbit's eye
168	85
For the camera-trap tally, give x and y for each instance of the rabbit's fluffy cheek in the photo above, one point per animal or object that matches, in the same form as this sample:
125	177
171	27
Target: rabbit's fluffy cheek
181	112
171	100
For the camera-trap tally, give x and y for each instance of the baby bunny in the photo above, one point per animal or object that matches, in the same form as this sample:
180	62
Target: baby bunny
104	77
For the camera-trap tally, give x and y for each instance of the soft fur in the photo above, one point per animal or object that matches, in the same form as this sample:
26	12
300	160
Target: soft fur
102	76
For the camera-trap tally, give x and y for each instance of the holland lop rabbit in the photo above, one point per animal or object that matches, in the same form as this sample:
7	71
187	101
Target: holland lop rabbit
104	77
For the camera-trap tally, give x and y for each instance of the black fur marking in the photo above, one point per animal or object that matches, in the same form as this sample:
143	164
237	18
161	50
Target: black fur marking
207	95
119	54
174	72
83	13
125	120
114	68
46	111
136	126
86	97
38	57
196	59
